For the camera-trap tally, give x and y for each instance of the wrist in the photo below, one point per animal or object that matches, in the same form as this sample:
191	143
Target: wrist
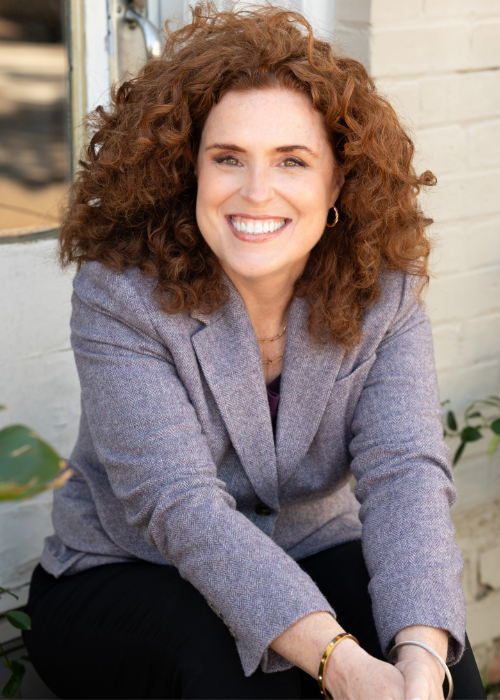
411	654
434	637
342	663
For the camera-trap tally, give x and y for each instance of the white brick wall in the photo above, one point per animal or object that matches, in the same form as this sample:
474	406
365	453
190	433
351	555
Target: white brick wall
438	61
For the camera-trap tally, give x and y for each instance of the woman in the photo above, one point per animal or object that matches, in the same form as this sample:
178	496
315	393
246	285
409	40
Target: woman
248	235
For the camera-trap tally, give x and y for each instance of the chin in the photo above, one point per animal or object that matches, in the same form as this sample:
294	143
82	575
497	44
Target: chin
254	272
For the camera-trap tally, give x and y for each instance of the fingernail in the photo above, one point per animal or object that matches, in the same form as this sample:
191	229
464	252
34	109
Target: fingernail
414	698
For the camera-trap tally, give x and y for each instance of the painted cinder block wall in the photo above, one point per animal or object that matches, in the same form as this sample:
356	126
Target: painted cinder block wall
438	61
38	381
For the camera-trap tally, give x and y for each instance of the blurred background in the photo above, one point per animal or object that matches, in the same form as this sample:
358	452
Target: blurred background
438	61
34	113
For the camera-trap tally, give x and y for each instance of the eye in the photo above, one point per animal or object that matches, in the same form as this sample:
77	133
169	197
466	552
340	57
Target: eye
228	160
292	163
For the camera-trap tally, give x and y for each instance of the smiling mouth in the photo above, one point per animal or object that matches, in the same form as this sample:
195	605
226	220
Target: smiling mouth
256	226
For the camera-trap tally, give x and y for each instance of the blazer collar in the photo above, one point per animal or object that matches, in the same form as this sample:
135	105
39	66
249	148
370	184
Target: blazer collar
229	355
309	372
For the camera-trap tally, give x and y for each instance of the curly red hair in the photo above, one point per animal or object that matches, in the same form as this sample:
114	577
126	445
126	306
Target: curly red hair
133	202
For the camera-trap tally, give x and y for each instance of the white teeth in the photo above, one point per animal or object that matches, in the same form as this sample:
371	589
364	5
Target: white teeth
258	226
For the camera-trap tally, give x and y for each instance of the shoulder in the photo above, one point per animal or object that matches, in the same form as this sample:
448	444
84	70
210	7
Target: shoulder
398	307
398	289
399	294
96	284
127	296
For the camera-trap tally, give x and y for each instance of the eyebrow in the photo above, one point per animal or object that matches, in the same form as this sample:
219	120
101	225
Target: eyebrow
279	149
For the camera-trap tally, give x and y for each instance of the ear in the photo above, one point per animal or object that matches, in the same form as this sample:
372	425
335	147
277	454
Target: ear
338	183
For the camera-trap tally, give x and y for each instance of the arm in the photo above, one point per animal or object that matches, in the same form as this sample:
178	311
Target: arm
405	486
159	466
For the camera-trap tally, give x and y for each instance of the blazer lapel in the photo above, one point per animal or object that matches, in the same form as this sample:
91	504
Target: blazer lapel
309	372
229	356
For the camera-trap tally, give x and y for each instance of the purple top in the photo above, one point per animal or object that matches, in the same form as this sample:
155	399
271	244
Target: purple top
273	395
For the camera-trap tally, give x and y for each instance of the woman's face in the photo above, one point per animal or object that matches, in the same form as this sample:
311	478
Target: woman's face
266	180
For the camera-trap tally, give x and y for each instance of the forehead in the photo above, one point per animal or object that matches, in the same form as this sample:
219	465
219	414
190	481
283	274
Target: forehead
273	114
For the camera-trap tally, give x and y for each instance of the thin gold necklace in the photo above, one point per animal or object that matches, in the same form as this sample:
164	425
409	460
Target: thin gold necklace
270	340
271	362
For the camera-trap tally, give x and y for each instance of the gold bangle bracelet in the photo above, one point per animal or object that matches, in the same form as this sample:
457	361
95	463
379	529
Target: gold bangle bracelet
322	664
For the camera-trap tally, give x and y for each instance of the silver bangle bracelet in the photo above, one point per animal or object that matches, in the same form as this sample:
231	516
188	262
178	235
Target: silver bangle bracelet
434	654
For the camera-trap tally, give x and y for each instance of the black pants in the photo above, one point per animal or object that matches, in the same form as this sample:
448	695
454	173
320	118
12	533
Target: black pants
141	631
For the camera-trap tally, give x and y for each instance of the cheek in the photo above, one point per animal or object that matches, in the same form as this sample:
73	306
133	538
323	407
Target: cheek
208	198
206	193
311	199
211	194
312	203
204	197
213	188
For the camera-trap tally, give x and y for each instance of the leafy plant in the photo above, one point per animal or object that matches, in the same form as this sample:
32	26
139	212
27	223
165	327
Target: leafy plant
28	465
20	620
482	415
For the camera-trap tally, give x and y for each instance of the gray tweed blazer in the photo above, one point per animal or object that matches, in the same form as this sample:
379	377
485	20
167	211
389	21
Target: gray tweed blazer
176	462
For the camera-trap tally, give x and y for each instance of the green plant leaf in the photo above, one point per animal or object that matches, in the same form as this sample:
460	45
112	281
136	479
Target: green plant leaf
495	398
476	414
27	463
458	453
451	420
493	446
470	434
495	426
16	678
5	590
19	619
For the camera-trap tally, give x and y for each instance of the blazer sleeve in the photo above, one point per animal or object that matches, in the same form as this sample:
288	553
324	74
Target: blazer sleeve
405	485
148	438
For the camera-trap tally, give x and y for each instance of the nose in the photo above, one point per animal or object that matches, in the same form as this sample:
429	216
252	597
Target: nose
257	188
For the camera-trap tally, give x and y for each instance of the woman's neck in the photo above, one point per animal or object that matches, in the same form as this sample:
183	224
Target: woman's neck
267	302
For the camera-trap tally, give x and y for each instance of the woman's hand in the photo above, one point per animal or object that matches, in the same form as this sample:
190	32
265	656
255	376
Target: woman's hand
422	673
352	674
421	681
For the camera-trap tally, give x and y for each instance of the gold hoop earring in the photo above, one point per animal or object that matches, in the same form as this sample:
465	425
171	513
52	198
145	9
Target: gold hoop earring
336	218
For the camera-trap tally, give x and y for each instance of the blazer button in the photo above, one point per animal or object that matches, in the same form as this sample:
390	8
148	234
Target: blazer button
263	509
